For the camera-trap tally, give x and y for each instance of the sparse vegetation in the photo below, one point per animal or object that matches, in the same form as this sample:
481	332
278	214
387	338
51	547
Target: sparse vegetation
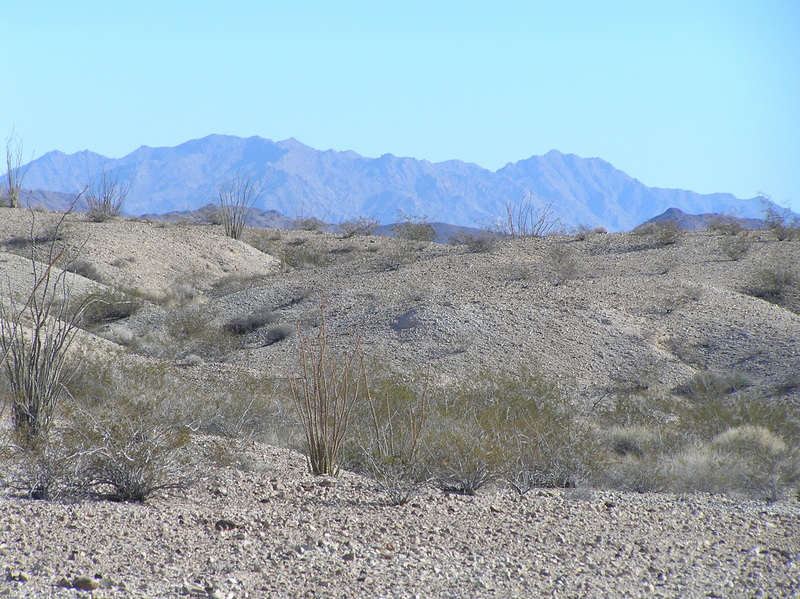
783	224
413	228
363	225
324	390
659	234
35	337
106	196
236	196
530	217
11	191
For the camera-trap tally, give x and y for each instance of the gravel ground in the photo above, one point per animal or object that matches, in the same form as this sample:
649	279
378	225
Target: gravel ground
273	530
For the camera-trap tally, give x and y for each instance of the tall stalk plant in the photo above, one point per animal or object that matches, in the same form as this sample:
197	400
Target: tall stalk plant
324	390
35	337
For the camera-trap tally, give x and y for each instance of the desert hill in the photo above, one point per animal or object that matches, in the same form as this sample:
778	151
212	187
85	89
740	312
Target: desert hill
660	342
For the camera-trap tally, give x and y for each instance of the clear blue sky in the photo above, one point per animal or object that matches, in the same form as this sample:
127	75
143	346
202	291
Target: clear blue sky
698	94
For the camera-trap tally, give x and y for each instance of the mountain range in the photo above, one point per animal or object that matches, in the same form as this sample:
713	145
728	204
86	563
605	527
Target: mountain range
299	180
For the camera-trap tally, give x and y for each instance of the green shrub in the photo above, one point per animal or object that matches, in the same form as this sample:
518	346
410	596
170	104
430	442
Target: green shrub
745	458
707	384
514	426
387	435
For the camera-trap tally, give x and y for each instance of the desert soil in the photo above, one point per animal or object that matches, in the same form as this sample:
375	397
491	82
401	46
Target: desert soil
626	317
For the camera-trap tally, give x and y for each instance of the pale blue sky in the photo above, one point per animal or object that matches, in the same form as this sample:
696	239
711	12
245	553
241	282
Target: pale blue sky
702	95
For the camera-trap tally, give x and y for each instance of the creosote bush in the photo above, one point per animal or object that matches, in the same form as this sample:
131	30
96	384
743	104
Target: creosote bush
363	225
413	228
659	234
387	435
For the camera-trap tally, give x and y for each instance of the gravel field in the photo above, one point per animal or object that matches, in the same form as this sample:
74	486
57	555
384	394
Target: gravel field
276	531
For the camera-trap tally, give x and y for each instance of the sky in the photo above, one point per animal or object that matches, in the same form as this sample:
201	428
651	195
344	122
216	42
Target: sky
700	94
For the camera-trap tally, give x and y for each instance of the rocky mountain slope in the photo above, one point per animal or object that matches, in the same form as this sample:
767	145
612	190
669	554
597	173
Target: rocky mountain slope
300	180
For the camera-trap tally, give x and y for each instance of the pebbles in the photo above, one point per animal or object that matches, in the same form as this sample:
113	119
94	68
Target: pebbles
340	540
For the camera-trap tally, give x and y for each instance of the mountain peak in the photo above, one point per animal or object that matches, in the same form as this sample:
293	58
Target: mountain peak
339	185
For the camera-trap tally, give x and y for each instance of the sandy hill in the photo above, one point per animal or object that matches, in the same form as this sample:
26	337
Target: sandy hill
606	318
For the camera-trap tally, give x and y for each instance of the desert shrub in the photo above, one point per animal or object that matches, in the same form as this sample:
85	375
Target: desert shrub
773	282
11	190
387	435
35	338
185	333
706	416
783	224
735	247
530	217
413	228
105	197
179	294
236	197
324	390
133	447
724	224
562	264
242	325
363	225
581	232
518	427
659	234
745	458
106	306
46	470
299	255
476	243
84	268
308	223
277	333
708	384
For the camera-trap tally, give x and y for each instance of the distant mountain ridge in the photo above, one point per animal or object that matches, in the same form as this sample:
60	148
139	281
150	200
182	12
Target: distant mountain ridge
333	185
